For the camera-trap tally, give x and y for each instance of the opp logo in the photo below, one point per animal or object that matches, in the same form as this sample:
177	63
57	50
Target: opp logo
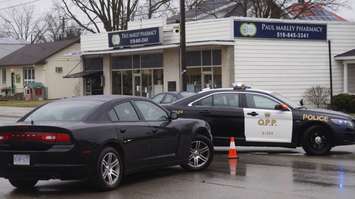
268	121
248	29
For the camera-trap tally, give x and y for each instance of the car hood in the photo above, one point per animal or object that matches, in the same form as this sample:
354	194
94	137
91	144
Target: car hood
328	112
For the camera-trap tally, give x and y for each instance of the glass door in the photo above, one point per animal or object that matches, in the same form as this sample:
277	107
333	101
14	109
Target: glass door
137	84
147	79
207	80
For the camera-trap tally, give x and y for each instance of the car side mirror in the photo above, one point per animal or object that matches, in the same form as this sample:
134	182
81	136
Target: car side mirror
281	107
301	102
173	115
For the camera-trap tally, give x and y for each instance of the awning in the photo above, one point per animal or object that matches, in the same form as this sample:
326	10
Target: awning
82	74
159	47
349	55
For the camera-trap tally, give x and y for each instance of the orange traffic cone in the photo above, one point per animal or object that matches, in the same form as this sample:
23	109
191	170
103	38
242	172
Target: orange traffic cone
232	154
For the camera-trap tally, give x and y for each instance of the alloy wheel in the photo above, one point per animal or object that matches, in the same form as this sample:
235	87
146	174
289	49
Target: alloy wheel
199	154
110	168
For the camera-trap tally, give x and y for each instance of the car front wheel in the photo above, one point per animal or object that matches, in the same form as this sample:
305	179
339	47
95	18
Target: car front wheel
316	141
200	155
23	183
109	170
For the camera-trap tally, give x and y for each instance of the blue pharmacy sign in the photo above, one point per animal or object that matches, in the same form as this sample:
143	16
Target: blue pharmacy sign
279	30
129	38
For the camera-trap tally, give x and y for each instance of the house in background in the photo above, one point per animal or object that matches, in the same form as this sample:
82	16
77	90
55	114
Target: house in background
46	64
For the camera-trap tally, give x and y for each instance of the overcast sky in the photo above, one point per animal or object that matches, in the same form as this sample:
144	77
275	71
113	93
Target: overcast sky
45	5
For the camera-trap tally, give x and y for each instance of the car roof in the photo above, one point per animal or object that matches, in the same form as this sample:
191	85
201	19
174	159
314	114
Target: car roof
100	98
231	89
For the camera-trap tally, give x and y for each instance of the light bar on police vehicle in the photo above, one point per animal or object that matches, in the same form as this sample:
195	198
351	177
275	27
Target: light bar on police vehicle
240	86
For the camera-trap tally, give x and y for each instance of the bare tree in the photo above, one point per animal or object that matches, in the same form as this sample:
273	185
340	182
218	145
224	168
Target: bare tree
148	9
113	14
60	27
270	8
318	96
20	23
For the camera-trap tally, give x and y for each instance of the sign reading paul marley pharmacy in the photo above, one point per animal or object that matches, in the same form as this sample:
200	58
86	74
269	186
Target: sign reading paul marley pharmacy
140	37
272	30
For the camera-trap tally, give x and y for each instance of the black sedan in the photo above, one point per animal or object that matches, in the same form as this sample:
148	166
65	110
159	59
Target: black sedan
262	118
100	138
170	97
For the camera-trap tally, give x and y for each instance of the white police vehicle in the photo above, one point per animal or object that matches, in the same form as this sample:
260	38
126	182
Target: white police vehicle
262	118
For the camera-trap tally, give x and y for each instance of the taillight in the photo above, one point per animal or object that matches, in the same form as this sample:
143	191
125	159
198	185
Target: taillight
53	138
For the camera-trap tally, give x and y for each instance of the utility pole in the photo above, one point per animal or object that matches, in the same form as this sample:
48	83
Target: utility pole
183	46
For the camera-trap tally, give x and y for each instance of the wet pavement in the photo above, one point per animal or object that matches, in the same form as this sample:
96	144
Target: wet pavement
258	173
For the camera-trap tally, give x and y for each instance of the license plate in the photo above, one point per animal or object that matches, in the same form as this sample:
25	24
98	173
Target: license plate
22	160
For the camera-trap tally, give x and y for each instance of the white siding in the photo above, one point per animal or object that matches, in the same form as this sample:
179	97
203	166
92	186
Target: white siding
292	66
205	30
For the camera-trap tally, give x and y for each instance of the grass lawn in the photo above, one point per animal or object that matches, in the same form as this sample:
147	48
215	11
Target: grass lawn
22	103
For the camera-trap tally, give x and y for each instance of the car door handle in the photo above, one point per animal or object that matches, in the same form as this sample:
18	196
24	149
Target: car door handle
205	112
253	114
123	130
154	131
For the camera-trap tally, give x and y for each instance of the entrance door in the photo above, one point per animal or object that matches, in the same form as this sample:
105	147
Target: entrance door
207	80
137	87
263	123
13	83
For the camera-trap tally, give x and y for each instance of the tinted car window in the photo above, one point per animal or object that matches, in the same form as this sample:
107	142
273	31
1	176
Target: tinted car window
228	100
151	112
204	102
169	99
113	116
126	112
157	99
260	102
63	111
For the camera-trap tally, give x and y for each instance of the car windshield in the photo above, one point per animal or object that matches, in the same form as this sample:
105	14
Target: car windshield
63	111
286	100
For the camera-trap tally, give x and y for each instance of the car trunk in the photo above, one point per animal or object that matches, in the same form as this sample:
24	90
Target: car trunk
33	137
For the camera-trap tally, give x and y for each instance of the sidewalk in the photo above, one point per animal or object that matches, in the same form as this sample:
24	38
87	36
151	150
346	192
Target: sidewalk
13	112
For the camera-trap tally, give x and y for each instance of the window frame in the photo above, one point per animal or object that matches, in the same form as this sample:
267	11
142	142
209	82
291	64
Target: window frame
112	107
29	71
262	95
240	100
141	114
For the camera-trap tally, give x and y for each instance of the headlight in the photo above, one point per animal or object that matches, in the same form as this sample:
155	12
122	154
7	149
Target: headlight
345	123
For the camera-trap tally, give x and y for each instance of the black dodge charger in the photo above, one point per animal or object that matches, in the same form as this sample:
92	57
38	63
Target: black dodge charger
262	118
100	138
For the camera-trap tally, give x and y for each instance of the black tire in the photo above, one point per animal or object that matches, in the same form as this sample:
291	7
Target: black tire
23	183
114	173
317	141
204	155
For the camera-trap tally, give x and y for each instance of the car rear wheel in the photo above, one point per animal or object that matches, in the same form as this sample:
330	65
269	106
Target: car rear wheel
200	155
316	141
109	170
23	183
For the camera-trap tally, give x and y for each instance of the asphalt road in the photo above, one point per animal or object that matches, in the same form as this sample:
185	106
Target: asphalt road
258	173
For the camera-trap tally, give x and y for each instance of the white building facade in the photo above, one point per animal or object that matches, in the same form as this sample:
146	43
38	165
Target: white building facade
286	56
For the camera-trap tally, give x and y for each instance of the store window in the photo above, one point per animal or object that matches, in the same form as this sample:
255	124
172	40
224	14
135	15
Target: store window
139	75
204	69
28	75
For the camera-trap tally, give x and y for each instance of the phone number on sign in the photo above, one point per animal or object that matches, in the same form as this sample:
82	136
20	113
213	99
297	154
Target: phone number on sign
292	35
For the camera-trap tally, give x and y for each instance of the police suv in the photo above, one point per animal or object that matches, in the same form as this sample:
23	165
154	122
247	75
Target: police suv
262	118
